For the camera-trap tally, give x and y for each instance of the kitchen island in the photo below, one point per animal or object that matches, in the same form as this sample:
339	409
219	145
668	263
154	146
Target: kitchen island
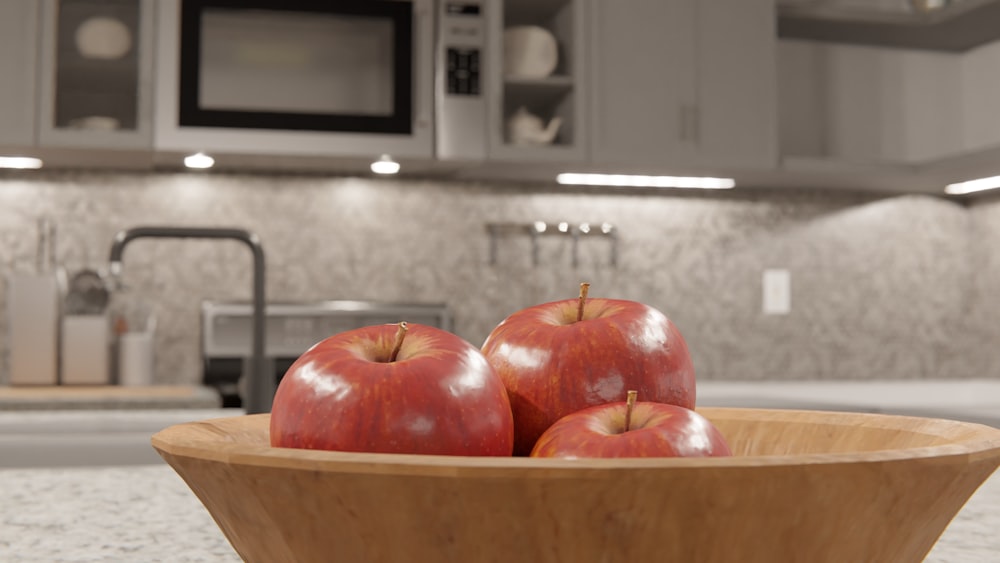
147	513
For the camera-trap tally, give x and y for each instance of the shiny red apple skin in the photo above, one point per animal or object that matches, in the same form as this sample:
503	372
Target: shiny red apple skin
440	396
656	430
553	365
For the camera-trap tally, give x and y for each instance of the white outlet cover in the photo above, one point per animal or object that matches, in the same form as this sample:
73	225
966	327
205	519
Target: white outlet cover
777	292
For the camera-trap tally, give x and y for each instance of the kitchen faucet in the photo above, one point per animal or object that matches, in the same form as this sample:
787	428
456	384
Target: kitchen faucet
260	391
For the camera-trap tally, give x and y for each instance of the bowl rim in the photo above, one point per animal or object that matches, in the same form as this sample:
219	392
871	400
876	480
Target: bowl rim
976	442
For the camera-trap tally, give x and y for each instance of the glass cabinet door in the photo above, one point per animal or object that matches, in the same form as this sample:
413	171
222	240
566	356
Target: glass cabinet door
96	72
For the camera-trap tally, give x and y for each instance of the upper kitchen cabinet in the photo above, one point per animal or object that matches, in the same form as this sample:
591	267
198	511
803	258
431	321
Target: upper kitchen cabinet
643	81
908	93
858	103
737	117
339	79
96	72
537	90
18	49
862	103
980	107
683	82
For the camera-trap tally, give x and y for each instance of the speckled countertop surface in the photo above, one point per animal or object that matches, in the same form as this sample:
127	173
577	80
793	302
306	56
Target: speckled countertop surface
147	513
106	514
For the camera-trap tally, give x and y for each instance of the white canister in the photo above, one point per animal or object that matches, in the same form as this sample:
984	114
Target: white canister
33	328
85	346
135	359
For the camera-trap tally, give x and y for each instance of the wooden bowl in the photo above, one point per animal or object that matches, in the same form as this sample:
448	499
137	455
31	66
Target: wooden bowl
802	486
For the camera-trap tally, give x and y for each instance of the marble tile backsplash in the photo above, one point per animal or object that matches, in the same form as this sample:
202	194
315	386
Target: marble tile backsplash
882	287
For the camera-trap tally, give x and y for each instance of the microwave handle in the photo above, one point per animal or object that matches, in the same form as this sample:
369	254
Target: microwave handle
423	55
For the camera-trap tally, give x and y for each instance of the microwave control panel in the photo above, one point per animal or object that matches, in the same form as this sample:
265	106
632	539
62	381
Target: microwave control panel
463	72
462	26
461	104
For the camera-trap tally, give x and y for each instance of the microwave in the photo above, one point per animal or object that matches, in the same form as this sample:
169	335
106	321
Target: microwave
350	78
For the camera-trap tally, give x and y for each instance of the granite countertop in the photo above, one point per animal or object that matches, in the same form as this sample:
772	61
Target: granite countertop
107	514
147	513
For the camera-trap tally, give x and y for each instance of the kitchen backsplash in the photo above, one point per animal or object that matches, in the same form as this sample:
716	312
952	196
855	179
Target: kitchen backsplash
895	287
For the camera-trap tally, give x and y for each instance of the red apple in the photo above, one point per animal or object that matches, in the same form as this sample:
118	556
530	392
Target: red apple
393	389
631	429
561	357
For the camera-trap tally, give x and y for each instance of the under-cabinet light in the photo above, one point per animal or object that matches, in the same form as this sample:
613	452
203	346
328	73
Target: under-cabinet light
199	160
639	181
20	162
970	186
385	165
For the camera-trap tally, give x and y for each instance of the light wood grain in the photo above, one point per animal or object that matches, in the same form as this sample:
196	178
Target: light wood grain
804	486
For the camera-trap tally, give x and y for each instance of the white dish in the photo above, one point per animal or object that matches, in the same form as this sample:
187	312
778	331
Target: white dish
102	37
529	51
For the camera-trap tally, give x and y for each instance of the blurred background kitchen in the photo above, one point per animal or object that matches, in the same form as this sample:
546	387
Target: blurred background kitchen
881	286
797	184
826	247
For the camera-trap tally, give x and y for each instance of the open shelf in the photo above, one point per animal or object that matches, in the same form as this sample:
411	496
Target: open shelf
558	95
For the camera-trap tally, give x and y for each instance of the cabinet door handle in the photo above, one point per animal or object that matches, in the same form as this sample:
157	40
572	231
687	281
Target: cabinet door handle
695	124
689	123
682	121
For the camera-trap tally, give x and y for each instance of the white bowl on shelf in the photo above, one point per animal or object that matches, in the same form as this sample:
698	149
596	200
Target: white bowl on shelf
529	51
104	38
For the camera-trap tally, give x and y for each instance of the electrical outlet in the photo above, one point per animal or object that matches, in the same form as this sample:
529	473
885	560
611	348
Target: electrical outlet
777	292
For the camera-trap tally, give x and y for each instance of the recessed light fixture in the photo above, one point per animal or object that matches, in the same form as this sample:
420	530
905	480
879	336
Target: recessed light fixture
977	185
20	162
199	160
639	181
385	165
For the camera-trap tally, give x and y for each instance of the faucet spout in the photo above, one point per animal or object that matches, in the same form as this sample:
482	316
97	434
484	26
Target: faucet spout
260	392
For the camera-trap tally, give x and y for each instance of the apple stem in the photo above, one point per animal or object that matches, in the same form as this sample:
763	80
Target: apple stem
629	405
400	335
584	288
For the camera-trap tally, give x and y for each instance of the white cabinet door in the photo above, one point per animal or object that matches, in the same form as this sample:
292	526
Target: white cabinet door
684	82
863	104
737	83
18	32
980	87
642	81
